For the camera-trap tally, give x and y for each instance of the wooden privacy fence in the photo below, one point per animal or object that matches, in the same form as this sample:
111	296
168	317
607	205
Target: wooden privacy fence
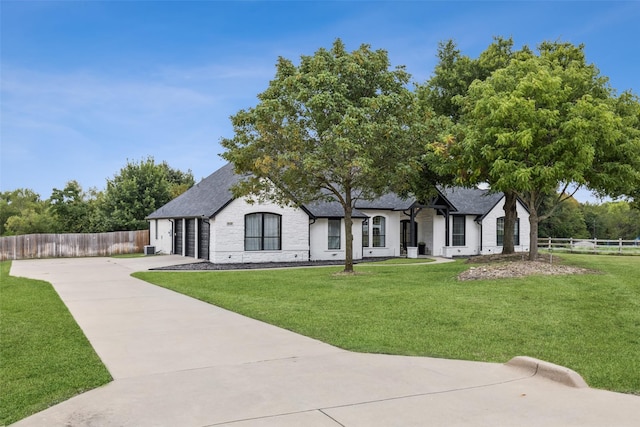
597	246
29	246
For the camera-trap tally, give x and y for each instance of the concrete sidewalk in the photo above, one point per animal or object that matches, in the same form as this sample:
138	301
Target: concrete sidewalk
177	361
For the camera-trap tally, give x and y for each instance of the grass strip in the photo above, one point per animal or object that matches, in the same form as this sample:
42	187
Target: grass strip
44	356
404	261
589	323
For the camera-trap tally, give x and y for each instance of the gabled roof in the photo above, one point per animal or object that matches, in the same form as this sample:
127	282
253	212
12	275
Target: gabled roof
471	201
205	199
212	194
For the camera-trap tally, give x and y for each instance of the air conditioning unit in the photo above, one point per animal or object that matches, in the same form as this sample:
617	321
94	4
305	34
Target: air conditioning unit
149	250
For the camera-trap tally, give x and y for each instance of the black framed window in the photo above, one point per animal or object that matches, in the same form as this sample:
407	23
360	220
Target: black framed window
262	232
379	231
365	233
500	232
334	233
458	230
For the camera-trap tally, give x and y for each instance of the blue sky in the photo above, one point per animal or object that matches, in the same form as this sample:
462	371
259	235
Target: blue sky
86	86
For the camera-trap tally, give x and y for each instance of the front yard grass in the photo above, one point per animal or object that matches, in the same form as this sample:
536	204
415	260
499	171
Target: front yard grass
404	261
589	323
44	356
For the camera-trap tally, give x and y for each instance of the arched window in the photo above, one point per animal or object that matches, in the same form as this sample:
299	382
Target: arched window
262	232
378	231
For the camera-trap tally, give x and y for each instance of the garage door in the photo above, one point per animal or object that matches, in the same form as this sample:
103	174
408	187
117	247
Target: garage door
191	237
203	239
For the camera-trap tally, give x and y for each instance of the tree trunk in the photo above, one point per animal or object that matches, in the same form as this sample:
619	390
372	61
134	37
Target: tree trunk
510	216
533	225
348	235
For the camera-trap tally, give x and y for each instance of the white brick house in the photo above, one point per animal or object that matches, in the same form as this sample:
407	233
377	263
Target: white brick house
207	222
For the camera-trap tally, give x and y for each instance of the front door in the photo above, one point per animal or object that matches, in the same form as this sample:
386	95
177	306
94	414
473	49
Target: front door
405	235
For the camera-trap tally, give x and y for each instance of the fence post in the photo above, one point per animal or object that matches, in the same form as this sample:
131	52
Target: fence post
620	245
595	245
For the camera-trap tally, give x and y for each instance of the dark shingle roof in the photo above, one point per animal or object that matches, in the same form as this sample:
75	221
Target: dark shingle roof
389	201
212	194
330	210
205	199
471	201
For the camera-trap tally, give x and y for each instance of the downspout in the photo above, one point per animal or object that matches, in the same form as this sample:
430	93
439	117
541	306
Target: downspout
309	237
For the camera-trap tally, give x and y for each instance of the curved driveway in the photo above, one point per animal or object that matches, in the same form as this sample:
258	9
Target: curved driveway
177	361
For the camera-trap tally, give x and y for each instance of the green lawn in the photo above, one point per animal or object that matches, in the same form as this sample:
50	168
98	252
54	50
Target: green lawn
590	323
404	261
44	356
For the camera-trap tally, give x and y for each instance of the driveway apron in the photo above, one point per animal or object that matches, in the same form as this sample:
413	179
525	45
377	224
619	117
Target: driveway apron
177	361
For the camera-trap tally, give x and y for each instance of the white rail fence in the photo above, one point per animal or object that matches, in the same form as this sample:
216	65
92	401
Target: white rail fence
594	246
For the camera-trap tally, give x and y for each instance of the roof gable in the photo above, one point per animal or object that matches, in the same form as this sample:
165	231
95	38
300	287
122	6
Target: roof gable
471	201
205	199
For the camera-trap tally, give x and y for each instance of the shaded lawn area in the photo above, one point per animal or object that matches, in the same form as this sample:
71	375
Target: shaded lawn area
589	323
44	356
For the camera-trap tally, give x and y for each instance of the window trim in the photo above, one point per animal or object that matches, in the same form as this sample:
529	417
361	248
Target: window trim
330	236
262	238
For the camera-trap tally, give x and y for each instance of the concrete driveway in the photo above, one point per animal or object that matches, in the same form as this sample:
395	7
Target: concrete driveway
177	361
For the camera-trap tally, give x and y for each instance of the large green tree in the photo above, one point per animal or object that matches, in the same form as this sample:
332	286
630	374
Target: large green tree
337	127
137	190
72	208
547	121
451	79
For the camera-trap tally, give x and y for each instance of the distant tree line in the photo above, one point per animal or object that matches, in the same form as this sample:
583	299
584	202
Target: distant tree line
608	221
134	192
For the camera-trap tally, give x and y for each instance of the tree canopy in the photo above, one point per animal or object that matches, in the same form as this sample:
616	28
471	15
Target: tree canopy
73	210
139	189
547	121
337	127
23	212
451	80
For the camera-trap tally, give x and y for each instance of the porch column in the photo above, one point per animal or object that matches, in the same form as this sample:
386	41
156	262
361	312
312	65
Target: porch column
412	228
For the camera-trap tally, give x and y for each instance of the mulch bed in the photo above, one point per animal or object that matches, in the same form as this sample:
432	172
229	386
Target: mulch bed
206	265
516	265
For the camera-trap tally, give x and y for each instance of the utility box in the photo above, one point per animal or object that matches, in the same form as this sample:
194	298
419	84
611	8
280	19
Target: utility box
149	250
